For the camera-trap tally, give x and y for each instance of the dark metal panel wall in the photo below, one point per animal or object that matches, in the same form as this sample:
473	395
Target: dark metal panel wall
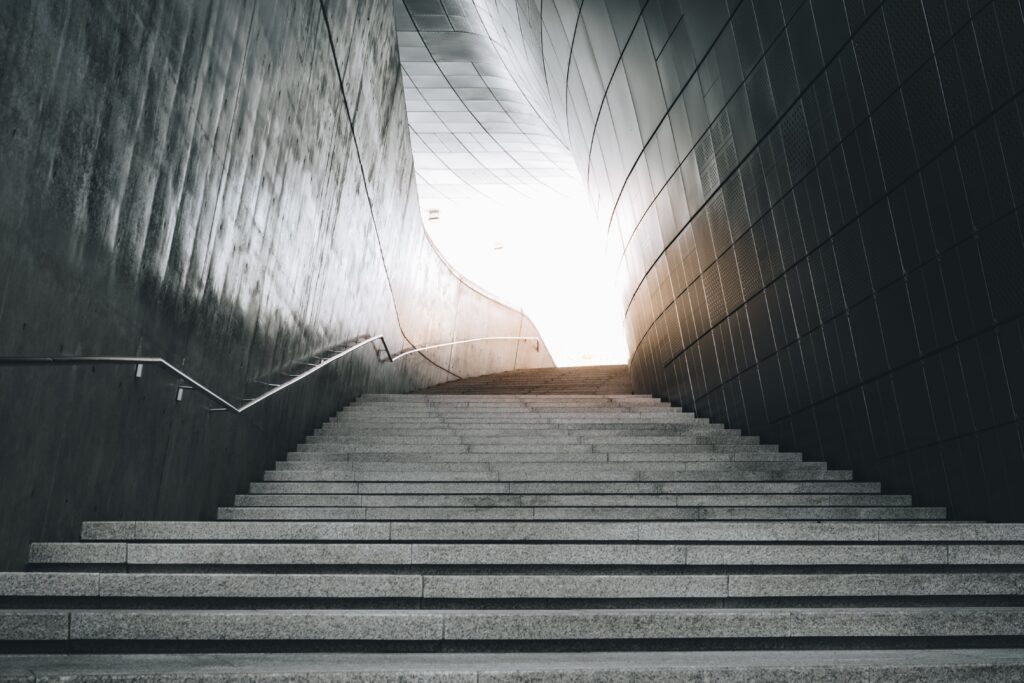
815	210
190	180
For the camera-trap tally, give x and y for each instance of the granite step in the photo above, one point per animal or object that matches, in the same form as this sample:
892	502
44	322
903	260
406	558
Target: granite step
325	454
934	665
210	555
482	397
513	426
722	455
576	438
374	410
698	446
501	416
359	408
580	422
514	407
597	487
724	513
442	434
560	404
616	450
479	397
710	532
570	500
526	416
506	417
573	405
377	627
556	471
541	446
506	586
319	472
702	455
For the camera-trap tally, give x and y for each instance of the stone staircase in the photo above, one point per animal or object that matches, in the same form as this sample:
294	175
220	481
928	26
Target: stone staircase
529	536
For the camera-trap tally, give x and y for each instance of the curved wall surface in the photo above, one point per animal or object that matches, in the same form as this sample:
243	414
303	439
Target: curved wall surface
814	210
228	186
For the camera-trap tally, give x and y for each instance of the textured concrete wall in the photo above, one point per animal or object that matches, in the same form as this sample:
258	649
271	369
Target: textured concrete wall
212	183
814	208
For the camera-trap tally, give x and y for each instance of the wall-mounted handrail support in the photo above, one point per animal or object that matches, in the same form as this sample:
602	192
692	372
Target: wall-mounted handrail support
186	382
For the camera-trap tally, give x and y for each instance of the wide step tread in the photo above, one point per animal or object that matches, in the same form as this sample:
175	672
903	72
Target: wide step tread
433	626
933	665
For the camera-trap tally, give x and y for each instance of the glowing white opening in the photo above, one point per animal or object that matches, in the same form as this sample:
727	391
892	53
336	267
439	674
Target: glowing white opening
544	255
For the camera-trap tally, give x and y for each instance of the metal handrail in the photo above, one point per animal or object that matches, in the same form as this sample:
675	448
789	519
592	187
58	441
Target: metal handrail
225	404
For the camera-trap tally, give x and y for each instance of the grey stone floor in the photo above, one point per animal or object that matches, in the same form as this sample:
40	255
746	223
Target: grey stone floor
875	665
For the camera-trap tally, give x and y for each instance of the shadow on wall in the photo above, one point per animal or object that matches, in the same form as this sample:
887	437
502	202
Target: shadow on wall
818	210
194	181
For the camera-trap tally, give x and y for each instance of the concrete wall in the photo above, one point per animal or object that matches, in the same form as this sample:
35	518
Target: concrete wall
227	185
814	209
